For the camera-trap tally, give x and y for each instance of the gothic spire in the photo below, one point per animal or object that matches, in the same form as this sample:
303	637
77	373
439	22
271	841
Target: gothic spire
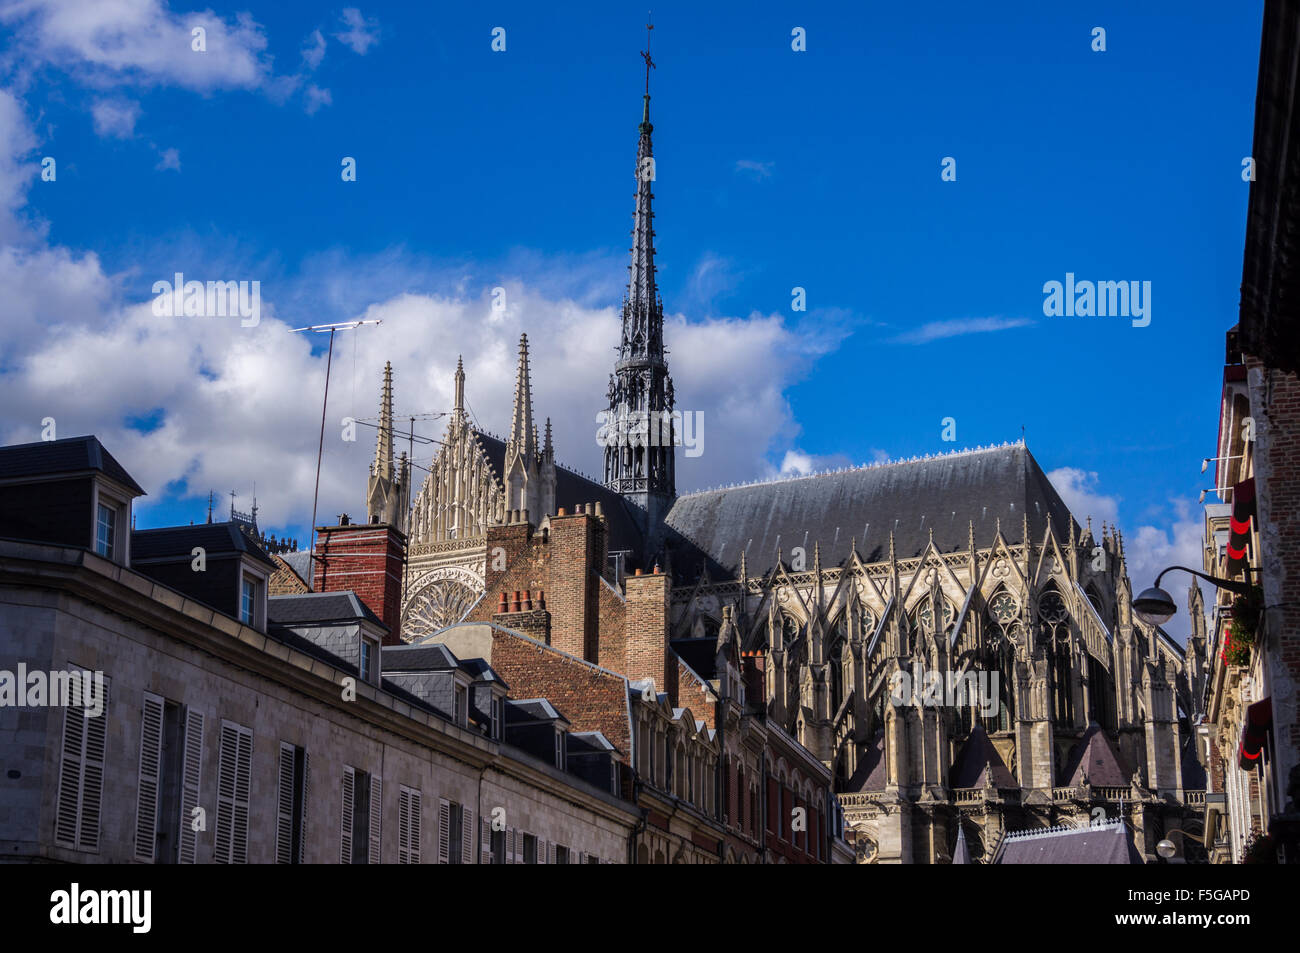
383	465
460	386
523	432
642	311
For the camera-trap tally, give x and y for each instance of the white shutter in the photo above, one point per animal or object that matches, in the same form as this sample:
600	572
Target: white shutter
444	831
541	851
284	807
376	818
81	771
146	802
403	825
550	857
92	777
306	786
485	841
345	824
467	835
191	775
510	846
234	768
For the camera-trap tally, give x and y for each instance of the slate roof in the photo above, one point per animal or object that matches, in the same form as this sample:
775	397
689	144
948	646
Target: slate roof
910	498
870	773
177	542
417	658
300	562
56	457
961	853
531	710
482	671
1096	755
572	489
976	760
314	608
1108	843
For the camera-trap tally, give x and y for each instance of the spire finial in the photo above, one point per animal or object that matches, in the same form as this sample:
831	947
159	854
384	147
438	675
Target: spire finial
523	432
460	385
383	465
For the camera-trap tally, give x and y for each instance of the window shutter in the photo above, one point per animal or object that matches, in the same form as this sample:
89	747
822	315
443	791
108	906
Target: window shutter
92	782
467	836
403	825
413	839
512	843
234	766
444	831
376	817
484	841
550	857
306	786
146	803
345	824
70	772
191	774
284	807
541	851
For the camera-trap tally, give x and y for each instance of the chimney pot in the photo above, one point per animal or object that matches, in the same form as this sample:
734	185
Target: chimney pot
503	605
560	512
541	599
528	600
514	605
638	571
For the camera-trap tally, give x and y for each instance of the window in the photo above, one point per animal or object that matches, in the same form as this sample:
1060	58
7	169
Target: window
560	749
455	833
408	825
106	531
291	805
462	705
496	718
160	817
593	859
499	847
234	770
364	663
81	772
530	848
561	854
247	601
359	829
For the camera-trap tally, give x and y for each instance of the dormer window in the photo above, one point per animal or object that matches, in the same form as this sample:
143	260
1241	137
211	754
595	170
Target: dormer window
462	705
496	718
561	750
247	601
106	531
366	660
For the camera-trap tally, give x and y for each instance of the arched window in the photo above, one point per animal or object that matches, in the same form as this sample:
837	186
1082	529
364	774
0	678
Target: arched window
1054	619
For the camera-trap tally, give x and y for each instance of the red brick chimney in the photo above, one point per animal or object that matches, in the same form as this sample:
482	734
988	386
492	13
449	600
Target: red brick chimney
577	545
646	630
367	558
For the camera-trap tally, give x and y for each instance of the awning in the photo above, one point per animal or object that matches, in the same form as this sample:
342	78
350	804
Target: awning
1243	509
1254	734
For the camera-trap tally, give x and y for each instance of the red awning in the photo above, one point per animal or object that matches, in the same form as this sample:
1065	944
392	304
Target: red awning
1243	510
1254	734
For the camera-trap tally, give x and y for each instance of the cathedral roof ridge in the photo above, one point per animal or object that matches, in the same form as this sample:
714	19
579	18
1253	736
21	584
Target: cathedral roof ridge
1059	829
853	468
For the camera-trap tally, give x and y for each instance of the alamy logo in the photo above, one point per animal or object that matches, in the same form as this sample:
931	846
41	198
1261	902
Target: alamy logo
74	906
213	299
59	689
935	689
646	428
1102	299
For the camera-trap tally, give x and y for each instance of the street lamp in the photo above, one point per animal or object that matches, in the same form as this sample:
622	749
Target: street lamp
1154	606
1166	848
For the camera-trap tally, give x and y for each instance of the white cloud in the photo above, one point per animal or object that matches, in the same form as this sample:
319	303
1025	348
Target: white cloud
756	170
1146	551
361	33
169	159
936	330
17	145
316	98
115	117
313	49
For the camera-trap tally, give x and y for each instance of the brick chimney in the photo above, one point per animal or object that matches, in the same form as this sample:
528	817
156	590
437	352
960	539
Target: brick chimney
646	630
367	558
577	545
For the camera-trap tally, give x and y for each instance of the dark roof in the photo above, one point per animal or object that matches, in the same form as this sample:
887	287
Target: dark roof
870	772
961	853
572	489
54	457
528	710
1105	844
977	758
178	542
943	494
300	562
700	655
482	671
1096	756
417	658
589	742
315	608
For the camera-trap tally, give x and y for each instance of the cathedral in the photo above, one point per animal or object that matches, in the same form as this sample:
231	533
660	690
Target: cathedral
832	588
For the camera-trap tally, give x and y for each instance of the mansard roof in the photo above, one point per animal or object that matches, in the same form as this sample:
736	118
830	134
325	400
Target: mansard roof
46	458
572	489
989	487
177	542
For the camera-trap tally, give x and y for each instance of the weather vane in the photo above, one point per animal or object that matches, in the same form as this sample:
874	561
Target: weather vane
645	54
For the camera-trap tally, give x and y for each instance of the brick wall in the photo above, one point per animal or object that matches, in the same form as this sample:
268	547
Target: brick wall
367	558
645	652
1275	405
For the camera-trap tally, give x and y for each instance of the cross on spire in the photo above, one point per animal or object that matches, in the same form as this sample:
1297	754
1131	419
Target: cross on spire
645	55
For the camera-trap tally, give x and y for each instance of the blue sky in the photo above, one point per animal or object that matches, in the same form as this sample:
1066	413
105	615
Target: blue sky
818	169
